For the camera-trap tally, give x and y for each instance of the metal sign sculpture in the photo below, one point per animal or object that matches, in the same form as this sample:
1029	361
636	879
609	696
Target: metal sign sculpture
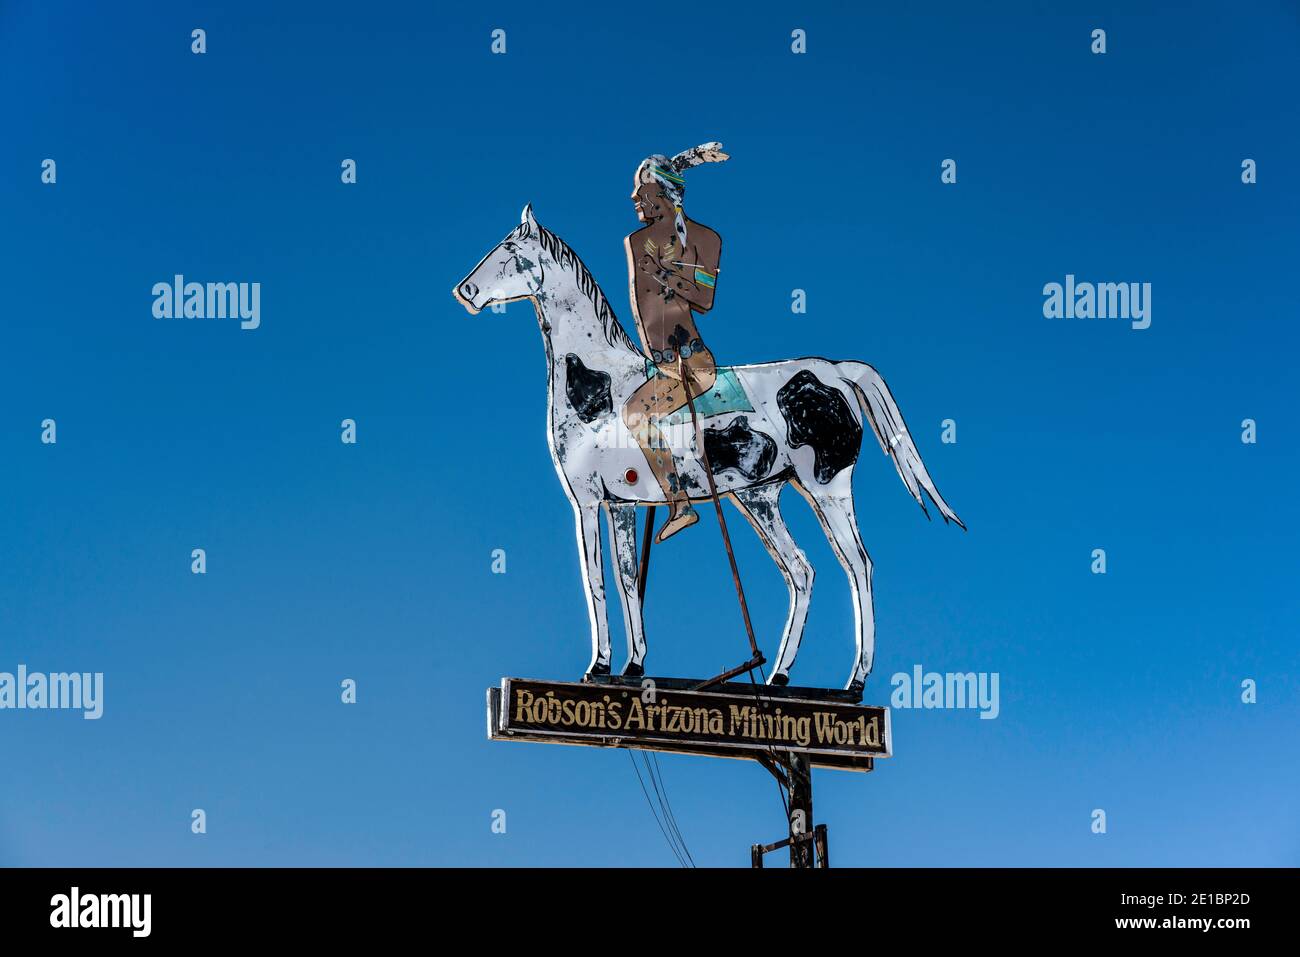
661	424
798	422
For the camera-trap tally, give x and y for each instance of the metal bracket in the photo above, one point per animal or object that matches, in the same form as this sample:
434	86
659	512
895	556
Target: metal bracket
818	837
755	662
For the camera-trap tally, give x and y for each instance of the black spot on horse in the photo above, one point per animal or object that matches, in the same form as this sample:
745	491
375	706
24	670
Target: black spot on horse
588	390
741	448
818	416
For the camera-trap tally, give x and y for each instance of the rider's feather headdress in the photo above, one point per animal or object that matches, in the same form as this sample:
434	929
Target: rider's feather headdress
668	174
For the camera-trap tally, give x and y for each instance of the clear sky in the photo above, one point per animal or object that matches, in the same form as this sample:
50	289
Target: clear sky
373	561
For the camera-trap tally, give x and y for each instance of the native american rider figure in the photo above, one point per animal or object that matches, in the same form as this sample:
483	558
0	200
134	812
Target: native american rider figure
672	265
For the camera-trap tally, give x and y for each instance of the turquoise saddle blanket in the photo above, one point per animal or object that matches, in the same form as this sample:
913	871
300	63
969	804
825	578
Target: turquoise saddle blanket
725	396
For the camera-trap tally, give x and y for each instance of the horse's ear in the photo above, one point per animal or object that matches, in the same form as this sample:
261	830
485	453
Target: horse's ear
527	216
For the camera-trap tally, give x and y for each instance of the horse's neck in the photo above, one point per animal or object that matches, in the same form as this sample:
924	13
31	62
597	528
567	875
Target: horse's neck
570	326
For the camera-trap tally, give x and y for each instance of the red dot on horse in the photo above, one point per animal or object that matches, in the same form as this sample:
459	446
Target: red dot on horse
630	476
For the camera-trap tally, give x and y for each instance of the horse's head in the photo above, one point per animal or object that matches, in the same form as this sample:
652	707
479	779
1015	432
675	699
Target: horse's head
511	270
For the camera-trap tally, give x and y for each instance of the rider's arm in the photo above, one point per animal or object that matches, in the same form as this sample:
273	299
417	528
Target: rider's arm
696	280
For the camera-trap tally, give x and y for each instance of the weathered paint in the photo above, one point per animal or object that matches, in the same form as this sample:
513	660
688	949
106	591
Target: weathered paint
593	450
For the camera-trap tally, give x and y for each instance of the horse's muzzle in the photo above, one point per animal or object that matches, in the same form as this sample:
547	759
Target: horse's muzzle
467	293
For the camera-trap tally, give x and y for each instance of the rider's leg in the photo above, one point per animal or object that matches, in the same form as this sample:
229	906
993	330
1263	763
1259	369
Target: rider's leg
658	397
700	374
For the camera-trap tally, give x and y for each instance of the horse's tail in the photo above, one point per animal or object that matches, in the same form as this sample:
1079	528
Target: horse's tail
880	409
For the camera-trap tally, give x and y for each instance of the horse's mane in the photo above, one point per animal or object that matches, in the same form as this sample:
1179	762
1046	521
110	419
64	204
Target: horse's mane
565	257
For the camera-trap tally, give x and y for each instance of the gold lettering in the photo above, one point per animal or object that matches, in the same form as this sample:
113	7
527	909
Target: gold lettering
803	731
674	725
761	722
522	701
872	737
634	715
739	719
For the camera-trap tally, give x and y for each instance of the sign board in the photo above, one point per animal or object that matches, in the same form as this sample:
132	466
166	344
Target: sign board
719	724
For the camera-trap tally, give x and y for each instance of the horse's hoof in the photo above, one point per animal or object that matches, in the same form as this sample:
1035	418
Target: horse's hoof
596	671
631	670
855	688
778	679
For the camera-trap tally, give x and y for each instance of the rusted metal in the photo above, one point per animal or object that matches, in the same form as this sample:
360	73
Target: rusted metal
756	658
775	769
819	843
784	842
755	662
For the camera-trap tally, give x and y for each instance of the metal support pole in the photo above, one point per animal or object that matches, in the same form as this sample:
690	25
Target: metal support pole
647	539
755	656
808	846
801	808
819	843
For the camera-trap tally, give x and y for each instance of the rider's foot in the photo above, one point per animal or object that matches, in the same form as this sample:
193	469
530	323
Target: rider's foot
676	522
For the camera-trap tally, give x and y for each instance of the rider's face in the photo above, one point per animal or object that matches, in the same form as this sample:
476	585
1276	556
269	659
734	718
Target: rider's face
649	202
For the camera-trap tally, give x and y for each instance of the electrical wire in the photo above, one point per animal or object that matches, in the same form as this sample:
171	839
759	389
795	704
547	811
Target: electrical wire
671	845
666	804
661	794
771	751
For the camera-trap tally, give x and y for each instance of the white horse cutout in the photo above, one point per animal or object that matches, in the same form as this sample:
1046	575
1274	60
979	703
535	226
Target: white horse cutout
797	422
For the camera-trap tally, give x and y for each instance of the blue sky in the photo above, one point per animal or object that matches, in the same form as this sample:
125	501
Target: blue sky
372	562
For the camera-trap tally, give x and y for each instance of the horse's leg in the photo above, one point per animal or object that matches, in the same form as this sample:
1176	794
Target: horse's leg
622	533
762	507
834	508
593	583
